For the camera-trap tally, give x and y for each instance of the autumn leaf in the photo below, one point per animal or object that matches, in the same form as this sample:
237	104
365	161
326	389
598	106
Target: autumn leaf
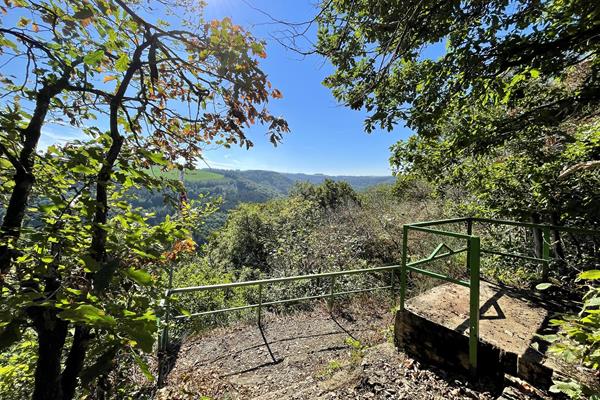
109	78
276	94
23	22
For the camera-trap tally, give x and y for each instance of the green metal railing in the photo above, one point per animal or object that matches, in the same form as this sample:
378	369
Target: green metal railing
473	251
260	284
472	248
473	260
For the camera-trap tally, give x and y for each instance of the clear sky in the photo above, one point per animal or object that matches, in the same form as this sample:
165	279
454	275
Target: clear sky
325	136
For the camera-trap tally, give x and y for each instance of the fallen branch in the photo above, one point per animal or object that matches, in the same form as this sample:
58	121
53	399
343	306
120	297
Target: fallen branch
587	165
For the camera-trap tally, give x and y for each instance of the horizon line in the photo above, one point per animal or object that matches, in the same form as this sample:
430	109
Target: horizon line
296	173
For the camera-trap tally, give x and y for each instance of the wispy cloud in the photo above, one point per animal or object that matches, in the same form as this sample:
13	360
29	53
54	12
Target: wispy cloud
58	134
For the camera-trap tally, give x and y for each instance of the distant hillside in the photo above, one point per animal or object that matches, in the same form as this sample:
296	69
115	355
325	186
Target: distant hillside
235	187
192	176
282	182
357	182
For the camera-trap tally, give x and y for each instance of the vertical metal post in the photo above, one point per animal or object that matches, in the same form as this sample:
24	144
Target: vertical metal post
331	293
163	340
546	253
393	287
474	259
161	328
259	312
167	321
469	232
164	332
403	270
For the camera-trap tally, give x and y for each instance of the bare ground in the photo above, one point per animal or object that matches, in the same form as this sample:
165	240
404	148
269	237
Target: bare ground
317	356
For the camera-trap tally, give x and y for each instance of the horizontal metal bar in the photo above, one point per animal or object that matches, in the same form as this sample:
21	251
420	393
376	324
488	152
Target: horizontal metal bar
297	299
501	253
216	311
437	257
438	276
438	232
541	226
362	290
320	296
270	303
440	222
279	280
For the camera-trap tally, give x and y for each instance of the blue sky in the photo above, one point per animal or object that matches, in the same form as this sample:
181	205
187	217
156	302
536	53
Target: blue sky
325	136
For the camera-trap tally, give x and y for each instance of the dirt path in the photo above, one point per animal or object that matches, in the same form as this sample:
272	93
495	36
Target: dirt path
348	356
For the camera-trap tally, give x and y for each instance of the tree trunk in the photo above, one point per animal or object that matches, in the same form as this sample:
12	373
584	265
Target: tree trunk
23	178
99	234
74	363
10	230
98	247
51	332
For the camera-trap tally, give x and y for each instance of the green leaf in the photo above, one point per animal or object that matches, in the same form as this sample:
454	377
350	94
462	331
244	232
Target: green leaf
183	311
88	314
144	367
82	169
122	63
139	276
47	259
548	338
594	301
4	42
571	389
141	331
93	58
84	13
143	254
157	158
591	275
543	286
91	265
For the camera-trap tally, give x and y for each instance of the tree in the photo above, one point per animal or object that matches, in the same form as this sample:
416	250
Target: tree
522	177
329	195
74	254
508	111
517	84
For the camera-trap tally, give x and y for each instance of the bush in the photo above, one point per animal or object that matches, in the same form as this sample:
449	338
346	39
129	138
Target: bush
577	343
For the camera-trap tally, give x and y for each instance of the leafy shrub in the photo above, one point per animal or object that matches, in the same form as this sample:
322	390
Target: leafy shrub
17	364
577	343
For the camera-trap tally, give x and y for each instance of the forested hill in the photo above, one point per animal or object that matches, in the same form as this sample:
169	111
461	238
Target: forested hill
236	187
282	182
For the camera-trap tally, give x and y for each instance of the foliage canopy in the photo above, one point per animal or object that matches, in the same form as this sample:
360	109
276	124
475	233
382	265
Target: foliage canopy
80	266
